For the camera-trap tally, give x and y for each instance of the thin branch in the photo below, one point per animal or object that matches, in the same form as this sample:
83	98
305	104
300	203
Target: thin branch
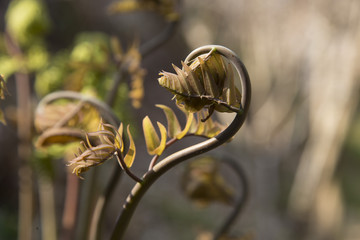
126	169
240	202
156	157
168	144
159	169
24	125
99	210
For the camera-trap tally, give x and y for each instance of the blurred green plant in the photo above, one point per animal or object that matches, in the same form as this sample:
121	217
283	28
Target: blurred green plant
27	21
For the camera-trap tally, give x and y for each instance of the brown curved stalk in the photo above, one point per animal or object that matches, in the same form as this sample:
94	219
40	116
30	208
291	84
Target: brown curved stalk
240	202
151	176
104	109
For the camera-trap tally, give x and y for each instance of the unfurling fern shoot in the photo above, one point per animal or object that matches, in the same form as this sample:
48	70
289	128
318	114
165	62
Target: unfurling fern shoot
206	81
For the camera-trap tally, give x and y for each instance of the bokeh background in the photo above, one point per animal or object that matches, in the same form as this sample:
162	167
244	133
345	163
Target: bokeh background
300	146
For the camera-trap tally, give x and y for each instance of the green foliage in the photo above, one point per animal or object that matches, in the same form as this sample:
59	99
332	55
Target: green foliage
154	144
9	65
37	57
91	48
130	155
27	21
51	77
42	161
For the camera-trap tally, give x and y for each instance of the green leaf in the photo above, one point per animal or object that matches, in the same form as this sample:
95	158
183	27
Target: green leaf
211	128
130	155
190	117
208	129
119	138
162	144
174	127
153	143
198	126
151	138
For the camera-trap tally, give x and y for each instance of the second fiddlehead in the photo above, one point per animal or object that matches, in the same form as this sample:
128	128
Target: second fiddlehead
166	164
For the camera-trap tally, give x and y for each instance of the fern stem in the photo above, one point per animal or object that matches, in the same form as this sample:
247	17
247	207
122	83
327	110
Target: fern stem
240	202
159	169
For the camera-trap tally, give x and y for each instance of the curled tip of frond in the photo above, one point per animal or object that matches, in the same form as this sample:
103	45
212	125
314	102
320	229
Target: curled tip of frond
208	82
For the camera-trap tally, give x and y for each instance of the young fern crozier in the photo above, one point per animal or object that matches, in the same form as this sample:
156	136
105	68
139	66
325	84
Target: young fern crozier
108	143
207	82
216	91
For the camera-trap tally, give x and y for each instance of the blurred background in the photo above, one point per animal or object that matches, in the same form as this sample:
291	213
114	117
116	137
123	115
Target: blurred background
299	147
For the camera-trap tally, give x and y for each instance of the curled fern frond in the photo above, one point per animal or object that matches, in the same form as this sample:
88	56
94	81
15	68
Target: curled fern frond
208	82
109	142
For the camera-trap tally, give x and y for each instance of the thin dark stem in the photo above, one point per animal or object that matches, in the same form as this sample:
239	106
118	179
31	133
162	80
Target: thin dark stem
163	166
103	199
240	202
126	169
156	157
99	210
168	144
